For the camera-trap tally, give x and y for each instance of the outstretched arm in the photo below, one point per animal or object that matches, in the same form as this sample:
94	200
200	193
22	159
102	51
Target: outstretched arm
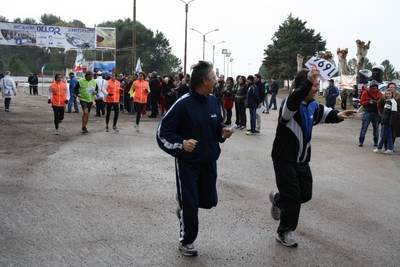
346	113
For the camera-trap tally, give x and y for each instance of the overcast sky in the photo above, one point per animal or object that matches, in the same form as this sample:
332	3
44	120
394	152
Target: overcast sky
246	26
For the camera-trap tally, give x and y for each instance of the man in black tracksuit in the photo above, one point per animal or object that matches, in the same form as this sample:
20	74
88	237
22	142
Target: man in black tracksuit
191	131
291	151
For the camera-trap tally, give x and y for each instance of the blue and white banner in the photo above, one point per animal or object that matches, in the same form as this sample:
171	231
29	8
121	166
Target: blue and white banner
56	36
17	34
65	37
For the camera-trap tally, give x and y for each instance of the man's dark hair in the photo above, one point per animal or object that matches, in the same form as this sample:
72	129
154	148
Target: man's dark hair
57	74
258	76
200	71
300	77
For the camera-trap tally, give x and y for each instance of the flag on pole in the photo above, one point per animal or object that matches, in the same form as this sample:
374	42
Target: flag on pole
138	67
78	61
41	71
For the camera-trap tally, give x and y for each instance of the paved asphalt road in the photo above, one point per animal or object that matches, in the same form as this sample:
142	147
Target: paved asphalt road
108	199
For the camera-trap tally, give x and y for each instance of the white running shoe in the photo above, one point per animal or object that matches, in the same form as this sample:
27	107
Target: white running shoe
286	239
188	250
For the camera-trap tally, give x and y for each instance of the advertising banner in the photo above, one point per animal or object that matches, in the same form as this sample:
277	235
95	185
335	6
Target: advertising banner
106	38
65	37
17	34
57	36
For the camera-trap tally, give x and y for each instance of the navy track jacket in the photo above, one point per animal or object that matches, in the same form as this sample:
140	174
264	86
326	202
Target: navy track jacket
193	116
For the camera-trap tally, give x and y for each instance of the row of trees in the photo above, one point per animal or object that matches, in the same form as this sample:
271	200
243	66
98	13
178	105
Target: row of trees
293	38
153	49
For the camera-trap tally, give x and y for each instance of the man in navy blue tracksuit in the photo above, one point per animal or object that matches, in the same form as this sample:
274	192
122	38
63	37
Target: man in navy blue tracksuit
191	131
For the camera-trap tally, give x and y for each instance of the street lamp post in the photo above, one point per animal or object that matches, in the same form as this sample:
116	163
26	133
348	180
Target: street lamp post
185	56
204	37
231	65
214	48
224	52
228	55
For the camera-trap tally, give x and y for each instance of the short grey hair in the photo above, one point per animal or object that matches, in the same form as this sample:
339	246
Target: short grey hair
8	72
202	70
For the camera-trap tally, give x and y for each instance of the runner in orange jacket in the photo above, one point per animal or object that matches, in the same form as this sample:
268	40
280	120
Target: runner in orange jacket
139	90
58	96
112	100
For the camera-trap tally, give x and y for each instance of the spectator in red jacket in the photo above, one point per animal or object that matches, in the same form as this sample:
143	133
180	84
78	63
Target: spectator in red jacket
369	101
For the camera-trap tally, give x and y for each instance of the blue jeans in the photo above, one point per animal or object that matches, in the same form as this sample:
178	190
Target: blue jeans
72	99
367	117
386	136
272	101
252	119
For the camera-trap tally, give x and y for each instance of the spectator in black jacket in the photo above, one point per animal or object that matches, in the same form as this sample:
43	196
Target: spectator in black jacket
154	94
274	91
240	99
261	97
169	92
217	92
184	86
30	78
35	82
252	102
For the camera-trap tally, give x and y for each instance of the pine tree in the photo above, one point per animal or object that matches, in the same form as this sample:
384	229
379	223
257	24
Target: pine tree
292	38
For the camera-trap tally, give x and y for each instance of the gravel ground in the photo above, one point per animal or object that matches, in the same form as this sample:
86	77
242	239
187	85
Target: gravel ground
108	199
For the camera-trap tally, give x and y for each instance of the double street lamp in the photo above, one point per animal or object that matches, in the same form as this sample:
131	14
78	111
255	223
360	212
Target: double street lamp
214	48
204	36
232	61
185	56
228	55
224	52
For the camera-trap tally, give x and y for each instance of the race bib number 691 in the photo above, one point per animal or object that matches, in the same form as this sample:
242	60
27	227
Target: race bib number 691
326	68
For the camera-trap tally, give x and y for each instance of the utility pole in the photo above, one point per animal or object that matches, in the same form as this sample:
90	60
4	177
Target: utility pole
134	38
186	19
